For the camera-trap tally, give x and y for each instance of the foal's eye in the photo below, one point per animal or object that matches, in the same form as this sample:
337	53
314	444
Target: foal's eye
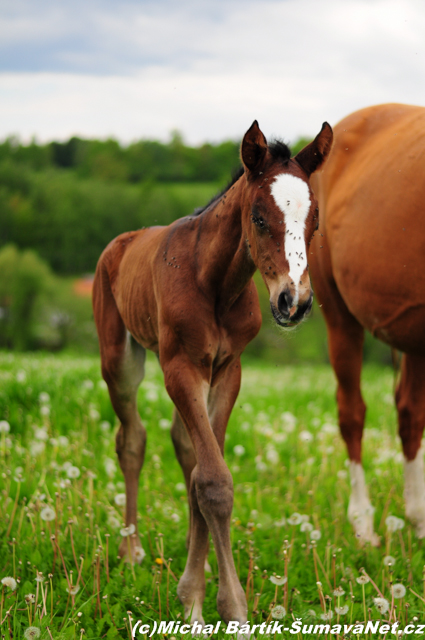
259	221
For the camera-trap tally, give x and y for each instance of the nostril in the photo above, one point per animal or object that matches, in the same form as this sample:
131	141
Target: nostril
285	302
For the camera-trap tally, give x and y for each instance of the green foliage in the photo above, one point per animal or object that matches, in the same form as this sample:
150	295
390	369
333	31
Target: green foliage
24	278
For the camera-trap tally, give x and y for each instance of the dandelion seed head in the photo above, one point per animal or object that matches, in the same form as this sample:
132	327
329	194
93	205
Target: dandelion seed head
30	598
278	612
389	560
362	579
45	410
10	582
306	527
295	519
73	590
120	499
32	632
239	450
306	436
381	604
4	426
315	534
175	517
393	523
341	611
339	591
399	591
48	514
128	531
278	580
139	554
328	615
73	472
164	424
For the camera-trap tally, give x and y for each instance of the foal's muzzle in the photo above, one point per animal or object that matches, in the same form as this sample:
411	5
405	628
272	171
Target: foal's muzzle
288	315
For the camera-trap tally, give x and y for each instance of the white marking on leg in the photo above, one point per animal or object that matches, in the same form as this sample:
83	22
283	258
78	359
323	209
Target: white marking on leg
360	510
414	492
292	196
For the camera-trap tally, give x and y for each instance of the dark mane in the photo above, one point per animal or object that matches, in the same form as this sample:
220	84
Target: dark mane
279	151
236	175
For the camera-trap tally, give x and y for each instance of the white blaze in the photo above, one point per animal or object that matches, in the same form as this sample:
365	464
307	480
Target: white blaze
292	196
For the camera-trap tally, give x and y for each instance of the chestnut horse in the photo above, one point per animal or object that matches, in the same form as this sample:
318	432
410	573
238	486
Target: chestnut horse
186	292
368	270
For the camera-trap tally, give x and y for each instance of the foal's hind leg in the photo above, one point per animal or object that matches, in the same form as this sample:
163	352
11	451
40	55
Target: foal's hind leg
345	341
410	398
184	453
122	369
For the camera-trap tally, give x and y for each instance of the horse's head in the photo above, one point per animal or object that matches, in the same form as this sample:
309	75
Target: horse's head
280	215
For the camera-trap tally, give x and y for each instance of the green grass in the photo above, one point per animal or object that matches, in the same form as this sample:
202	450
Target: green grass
292	460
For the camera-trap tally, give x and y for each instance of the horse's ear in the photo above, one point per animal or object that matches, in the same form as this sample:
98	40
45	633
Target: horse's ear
315	153
254	148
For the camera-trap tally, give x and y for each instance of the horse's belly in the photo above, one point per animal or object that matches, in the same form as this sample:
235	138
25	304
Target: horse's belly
388	307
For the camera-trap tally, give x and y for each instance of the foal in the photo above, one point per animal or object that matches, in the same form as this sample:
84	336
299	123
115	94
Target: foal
185	292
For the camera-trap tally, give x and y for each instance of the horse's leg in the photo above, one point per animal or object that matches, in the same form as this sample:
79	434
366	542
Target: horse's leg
210	491
184	453
345	341
123	370
410	398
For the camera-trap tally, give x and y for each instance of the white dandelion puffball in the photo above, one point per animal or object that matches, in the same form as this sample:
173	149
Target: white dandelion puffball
110	467
9	582
306	436
295	519
175	517
39	577
393	523
30	598
280	523
338	592
44	398
328	615
48	514
73	590
4	426
315	534
278	580
306	526
128	531
180	487
341	611
73	472
278	612
139	554
272	455
362	579
45	410
120	499
105	426
63	441
21	376
239	450
164	424
399	591
389	560
381	604
32	632
114	522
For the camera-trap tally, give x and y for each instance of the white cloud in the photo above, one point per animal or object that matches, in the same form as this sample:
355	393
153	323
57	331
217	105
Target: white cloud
134	70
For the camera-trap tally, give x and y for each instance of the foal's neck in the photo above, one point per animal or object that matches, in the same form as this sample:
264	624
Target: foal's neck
229	266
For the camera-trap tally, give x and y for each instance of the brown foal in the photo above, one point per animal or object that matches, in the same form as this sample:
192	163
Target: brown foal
186	292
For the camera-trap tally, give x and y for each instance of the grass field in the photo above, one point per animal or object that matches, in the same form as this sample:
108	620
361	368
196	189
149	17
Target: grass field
60	478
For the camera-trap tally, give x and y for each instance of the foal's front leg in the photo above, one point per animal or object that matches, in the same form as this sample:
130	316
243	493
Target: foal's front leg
210	495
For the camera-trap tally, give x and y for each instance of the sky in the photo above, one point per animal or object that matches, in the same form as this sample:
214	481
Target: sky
133	69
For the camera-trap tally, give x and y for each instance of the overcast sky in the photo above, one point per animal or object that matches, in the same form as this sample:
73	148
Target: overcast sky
141	68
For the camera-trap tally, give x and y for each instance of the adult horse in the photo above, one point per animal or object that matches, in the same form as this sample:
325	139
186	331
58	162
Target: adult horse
186	292
368	270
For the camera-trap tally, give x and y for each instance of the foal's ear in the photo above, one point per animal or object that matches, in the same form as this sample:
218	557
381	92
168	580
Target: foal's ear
254	148
315	153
